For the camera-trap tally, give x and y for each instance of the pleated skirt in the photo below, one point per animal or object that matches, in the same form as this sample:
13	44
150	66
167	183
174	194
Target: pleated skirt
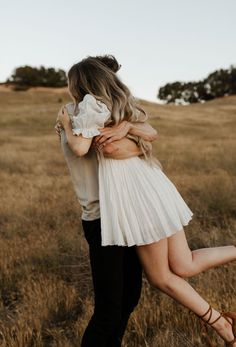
138	203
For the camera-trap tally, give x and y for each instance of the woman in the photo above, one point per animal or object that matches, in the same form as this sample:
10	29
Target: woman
139	205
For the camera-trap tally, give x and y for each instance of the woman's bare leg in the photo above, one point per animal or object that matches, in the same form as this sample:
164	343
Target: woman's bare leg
155	262
187	263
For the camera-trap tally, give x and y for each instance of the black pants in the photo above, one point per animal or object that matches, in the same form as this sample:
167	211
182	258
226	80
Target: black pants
117	281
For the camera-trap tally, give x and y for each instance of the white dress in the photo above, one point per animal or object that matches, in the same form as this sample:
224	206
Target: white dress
138	203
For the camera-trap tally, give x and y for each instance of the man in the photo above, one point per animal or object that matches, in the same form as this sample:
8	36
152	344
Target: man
116	271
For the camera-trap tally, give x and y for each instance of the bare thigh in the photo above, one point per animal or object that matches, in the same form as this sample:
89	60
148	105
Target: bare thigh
154	260
165	257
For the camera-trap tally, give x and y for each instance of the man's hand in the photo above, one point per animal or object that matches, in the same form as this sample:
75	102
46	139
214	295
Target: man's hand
110	134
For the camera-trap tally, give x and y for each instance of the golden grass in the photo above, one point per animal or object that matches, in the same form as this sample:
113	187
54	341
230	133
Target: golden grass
45	282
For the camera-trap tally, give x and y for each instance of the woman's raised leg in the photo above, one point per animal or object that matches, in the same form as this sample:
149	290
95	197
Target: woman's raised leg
155	262
187	263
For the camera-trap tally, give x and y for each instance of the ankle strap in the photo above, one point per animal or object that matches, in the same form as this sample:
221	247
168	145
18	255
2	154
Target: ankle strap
209	309
215	319
208	320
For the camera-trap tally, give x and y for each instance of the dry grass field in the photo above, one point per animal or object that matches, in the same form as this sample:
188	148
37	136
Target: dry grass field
45	284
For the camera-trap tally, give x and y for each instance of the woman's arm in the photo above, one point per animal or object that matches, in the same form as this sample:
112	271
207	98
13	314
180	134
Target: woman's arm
141	129
78	144
120	149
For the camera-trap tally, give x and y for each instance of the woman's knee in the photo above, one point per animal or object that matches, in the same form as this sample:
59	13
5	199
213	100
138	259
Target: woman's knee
183	270
162	281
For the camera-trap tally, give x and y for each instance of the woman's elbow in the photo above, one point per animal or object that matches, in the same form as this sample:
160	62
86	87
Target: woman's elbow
80	151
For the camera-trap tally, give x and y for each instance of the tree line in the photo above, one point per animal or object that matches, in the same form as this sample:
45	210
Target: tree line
219	83
27	76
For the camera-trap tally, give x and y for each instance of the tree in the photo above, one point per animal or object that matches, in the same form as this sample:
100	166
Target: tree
36	77
219	83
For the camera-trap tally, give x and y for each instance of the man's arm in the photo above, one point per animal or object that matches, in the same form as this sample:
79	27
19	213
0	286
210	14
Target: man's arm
141	129
81	145
122	149
128	146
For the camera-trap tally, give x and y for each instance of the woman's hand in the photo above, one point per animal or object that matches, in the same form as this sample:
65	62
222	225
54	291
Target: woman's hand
110	134
58	128
63	117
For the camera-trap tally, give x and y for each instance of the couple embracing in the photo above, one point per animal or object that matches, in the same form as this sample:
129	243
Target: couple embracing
133	216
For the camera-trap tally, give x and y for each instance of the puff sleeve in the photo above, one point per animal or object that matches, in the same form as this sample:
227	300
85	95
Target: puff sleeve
92	115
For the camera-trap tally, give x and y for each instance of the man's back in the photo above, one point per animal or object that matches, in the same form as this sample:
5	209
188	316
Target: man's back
84	175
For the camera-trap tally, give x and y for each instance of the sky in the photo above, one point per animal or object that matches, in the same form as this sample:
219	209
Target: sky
155	41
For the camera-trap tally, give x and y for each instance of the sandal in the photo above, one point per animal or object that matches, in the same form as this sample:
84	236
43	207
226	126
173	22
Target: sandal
226	315
231	315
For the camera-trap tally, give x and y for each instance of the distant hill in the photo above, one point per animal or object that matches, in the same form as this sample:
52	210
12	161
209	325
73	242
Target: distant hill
153	109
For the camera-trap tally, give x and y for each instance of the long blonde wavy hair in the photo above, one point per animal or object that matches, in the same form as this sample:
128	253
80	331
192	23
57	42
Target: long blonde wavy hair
97	76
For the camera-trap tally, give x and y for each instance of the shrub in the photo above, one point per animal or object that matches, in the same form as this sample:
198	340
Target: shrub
28	76
219	83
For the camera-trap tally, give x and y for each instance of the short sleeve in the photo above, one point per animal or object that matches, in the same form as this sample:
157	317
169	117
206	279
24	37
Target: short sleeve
92	115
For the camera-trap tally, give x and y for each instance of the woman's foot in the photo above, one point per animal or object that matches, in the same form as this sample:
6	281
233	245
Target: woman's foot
223	325
224	330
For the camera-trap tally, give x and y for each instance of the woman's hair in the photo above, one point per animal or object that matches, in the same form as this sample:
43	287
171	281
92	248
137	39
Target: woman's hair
96	75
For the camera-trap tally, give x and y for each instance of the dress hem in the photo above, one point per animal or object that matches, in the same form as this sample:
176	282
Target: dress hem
151	241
